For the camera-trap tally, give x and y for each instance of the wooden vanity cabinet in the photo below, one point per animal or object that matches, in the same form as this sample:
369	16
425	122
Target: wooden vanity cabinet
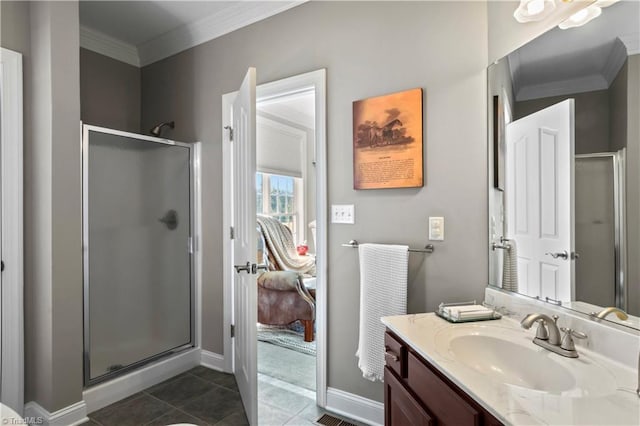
415	393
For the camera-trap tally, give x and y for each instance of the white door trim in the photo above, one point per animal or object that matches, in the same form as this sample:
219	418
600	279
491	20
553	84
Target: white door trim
12	344
287	86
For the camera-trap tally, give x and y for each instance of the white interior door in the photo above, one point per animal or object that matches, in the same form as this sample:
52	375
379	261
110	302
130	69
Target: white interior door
11	224
539	194
244	244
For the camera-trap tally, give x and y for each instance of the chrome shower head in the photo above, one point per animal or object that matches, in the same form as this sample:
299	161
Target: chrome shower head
158	129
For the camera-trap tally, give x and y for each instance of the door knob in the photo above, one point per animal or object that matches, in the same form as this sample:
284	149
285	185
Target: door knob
255	268
246	268
564	255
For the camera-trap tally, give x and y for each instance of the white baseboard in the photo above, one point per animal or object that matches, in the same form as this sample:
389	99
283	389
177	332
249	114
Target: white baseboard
72	415
355	407
212	360
99	396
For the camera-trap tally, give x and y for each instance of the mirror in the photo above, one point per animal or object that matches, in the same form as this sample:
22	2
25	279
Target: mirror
564	160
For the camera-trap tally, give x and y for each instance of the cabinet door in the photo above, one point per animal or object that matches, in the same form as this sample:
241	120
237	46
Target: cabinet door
446	403
400	408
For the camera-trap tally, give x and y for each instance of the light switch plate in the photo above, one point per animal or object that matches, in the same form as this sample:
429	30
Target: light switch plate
436	228
343	213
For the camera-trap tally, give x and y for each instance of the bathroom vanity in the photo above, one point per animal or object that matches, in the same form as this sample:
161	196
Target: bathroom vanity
416	393
491	373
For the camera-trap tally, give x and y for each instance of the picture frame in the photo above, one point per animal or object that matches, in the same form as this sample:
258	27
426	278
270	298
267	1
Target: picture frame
388	141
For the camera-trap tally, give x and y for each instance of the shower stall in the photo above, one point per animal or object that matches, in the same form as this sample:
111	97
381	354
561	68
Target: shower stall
601	228
138	223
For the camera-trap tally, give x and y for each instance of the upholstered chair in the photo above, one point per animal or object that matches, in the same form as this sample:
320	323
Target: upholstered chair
283	299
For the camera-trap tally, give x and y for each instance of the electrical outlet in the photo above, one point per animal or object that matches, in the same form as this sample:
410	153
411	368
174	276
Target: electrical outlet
343	213
436	228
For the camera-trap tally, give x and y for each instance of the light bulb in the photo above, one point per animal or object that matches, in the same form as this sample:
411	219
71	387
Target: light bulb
579	16
534	10
535	6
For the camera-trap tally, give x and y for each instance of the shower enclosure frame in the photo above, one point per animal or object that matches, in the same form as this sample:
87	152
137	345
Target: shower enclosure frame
618	159
193	247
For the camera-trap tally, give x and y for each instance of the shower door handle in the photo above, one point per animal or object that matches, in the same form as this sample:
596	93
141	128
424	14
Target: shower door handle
246	268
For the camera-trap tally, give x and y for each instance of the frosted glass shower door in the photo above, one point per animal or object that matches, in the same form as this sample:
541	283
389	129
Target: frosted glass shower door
138	268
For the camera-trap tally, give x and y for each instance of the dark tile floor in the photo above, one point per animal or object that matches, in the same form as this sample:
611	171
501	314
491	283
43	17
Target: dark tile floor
204	397
200	396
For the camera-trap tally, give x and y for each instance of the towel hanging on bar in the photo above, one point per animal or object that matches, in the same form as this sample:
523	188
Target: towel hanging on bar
510	266
383	292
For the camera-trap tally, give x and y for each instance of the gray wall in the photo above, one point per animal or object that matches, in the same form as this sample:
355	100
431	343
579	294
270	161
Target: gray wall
47	34
368	49
109	92
14	31
618	109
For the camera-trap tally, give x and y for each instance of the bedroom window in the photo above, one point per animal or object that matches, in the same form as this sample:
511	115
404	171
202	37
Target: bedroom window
280	196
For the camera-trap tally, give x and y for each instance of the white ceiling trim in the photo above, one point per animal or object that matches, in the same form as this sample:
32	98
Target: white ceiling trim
559	88
615	61
631	42
208	28
109	46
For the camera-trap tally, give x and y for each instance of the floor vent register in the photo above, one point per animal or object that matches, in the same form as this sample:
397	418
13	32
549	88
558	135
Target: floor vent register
329	420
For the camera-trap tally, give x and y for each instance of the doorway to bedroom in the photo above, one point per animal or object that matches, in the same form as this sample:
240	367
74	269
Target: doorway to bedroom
286	228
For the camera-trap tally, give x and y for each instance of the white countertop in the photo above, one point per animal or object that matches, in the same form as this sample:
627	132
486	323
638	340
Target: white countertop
604	392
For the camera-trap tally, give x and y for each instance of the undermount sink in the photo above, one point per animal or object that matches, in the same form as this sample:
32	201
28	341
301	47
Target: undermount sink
508	356
511	363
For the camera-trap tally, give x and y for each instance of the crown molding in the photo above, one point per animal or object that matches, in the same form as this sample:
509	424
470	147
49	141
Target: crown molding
615	61
227	20
515	65
631	42
109	46
565	87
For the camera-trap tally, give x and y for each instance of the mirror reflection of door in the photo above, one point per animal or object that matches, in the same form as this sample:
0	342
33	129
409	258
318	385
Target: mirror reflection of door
538	188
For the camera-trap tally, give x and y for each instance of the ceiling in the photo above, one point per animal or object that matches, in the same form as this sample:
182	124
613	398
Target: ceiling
576	60
142	32
297	109
136	22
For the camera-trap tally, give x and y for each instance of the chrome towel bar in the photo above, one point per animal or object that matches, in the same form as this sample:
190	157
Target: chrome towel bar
427	249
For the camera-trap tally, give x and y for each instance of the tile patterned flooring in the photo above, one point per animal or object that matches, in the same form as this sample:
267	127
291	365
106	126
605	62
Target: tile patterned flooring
200	396
204	397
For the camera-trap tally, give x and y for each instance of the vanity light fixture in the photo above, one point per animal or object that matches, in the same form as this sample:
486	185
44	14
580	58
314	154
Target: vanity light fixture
586	15
534	10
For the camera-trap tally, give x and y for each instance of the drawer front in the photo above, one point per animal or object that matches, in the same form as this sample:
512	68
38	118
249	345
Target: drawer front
400	408
444	403
395	355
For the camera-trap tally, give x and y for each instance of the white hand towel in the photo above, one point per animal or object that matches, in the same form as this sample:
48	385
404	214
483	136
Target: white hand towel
510	267
383	292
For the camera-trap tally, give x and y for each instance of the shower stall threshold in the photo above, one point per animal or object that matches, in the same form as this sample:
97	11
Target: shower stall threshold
139	376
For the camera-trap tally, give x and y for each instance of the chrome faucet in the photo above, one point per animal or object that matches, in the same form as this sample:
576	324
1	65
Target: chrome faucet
622	315
551	340
553	337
